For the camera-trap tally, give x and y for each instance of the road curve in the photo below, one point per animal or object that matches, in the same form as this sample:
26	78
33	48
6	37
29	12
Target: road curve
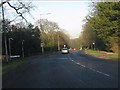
73	70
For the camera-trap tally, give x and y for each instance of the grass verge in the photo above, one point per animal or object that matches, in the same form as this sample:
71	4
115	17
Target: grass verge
7	67
103	54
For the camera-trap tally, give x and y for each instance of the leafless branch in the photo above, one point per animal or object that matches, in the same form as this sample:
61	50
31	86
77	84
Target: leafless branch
4	2
11	21
17	10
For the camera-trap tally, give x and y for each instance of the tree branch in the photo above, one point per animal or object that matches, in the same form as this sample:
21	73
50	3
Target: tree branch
4	2
17	10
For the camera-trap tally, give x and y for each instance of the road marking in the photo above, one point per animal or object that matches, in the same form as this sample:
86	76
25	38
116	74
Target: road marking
89	68
83	65
103	73
92	69
100	72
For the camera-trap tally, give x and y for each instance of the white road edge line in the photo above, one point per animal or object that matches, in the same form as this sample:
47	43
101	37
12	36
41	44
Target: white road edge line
103	73
89	68
79	63
83	65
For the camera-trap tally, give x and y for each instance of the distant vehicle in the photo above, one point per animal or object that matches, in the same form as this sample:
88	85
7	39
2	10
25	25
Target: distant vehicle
72	48
64	51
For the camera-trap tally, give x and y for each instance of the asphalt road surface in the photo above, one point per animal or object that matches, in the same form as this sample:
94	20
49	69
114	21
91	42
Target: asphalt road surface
73	70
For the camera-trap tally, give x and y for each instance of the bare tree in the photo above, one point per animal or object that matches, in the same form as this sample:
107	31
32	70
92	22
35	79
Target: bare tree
4	2
20	8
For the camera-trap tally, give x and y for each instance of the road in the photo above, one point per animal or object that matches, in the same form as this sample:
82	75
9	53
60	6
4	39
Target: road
73	70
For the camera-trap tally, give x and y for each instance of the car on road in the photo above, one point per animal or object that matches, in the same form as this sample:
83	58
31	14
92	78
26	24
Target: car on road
65	50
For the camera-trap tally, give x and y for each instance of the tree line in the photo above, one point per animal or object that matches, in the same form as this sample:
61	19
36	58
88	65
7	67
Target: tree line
102	27
26	35
31	37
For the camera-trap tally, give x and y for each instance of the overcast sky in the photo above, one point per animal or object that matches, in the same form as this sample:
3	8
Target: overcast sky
69	15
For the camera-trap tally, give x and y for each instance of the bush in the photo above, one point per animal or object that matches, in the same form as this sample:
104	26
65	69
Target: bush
114	44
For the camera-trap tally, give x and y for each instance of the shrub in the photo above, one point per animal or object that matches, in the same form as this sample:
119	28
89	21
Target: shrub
114	44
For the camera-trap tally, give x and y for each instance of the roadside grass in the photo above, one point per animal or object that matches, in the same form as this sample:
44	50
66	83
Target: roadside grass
103	54
114	56
7	67
93	52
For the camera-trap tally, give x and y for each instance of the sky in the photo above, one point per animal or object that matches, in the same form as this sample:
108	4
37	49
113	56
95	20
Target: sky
69	15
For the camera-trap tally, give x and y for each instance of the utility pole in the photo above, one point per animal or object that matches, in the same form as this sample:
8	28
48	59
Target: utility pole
4	30
10	48
58	41
23	48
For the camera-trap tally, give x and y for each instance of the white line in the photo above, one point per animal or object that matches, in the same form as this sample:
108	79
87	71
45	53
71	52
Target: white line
83	65
74	61
80	64
100	72
90	68
103	73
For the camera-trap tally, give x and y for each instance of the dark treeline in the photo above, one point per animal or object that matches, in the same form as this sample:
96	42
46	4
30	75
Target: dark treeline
30	37
101	29
25	35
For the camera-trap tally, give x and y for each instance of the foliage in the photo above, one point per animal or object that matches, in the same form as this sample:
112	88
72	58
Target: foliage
104	21
87	36
64	39
114	43
27	35
49	34
31	37
75	43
